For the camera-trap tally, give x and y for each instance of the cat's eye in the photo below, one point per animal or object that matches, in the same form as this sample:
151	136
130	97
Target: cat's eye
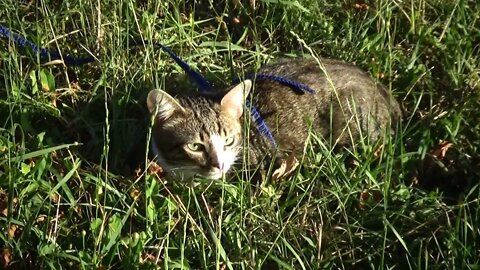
229	141
195	147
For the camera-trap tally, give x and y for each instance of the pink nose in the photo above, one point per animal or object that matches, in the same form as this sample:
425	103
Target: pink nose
215	161
217	164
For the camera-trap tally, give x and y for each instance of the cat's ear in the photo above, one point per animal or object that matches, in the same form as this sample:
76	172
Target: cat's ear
232	102
162	103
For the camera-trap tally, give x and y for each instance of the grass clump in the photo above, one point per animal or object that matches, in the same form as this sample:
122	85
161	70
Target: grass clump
73	192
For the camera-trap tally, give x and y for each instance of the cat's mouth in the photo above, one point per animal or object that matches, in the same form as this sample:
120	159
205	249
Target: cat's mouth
214	174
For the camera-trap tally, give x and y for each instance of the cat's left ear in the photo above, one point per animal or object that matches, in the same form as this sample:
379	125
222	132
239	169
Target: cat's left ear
232	102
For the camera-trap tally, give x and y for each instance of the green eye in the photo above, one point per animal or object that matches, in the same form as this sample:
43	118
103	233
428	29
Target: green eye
195	147
229	141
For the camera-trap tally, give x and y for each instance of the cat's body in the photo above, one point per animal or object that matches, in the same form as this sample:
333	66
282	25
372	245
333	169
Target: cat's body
204	135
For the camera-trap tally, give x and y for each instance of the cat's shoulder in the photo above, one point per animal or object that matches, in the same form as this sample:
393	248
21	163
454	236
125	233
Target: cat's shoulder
306	63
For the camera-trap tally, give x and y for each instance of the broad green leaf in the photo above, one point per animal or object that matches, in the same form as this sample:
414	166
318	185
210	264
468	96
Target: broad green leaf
95	226
33	79
47	80
25	168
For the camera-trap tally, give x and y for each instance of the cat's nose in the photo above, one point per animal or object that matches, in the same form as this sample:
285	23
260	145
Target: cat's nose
217	164
216	161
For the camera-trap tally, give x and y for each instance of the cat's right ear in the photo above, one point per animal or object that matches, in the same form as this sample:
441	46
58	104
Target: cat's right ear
161	102
232	103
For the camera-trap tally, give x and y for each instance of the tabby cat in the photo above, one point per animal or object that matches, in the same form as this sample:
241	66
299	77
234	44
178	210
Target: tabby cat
204	135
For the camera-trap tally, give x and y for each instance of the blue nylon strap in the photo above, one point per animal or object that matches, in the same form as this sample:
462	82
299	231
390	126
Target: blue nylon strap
257	118
201	82
205	86
280	79
260	123
43	52
285	81
20	41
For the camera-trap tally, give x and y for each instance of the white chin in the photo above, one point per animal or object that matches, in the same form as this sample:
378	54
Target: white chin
184	175
213	176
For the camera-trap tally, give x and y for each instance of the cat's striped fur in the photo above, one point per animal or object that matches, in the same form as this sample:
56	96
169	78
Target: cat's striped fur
204	135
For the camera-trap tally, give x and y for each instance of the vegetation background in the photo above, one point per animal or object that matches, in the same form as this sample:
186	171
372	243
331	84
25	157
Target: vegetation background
77	191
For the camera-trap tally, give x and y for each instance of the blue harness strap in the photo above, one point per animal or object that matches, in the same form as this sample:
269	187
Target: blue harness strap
280	79
260	123
201	82
285	81
203	85
43	52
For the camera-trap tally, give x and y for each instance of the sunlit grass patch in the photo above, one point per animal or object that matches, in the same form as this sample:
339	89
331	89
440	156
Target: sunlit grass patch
77	191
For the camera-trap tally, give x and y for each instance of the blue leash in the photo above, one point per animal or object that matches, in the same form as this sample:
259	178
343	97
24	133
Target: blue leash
43	52
205	86
201	82
282	80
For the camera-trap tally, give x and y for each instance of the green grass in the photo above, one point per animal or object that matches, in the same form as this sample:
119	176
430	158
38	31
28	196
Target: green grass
76	192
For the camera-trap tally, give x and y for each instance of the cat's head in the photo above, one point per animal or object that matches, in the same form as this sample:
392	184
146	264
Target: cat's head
198	135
